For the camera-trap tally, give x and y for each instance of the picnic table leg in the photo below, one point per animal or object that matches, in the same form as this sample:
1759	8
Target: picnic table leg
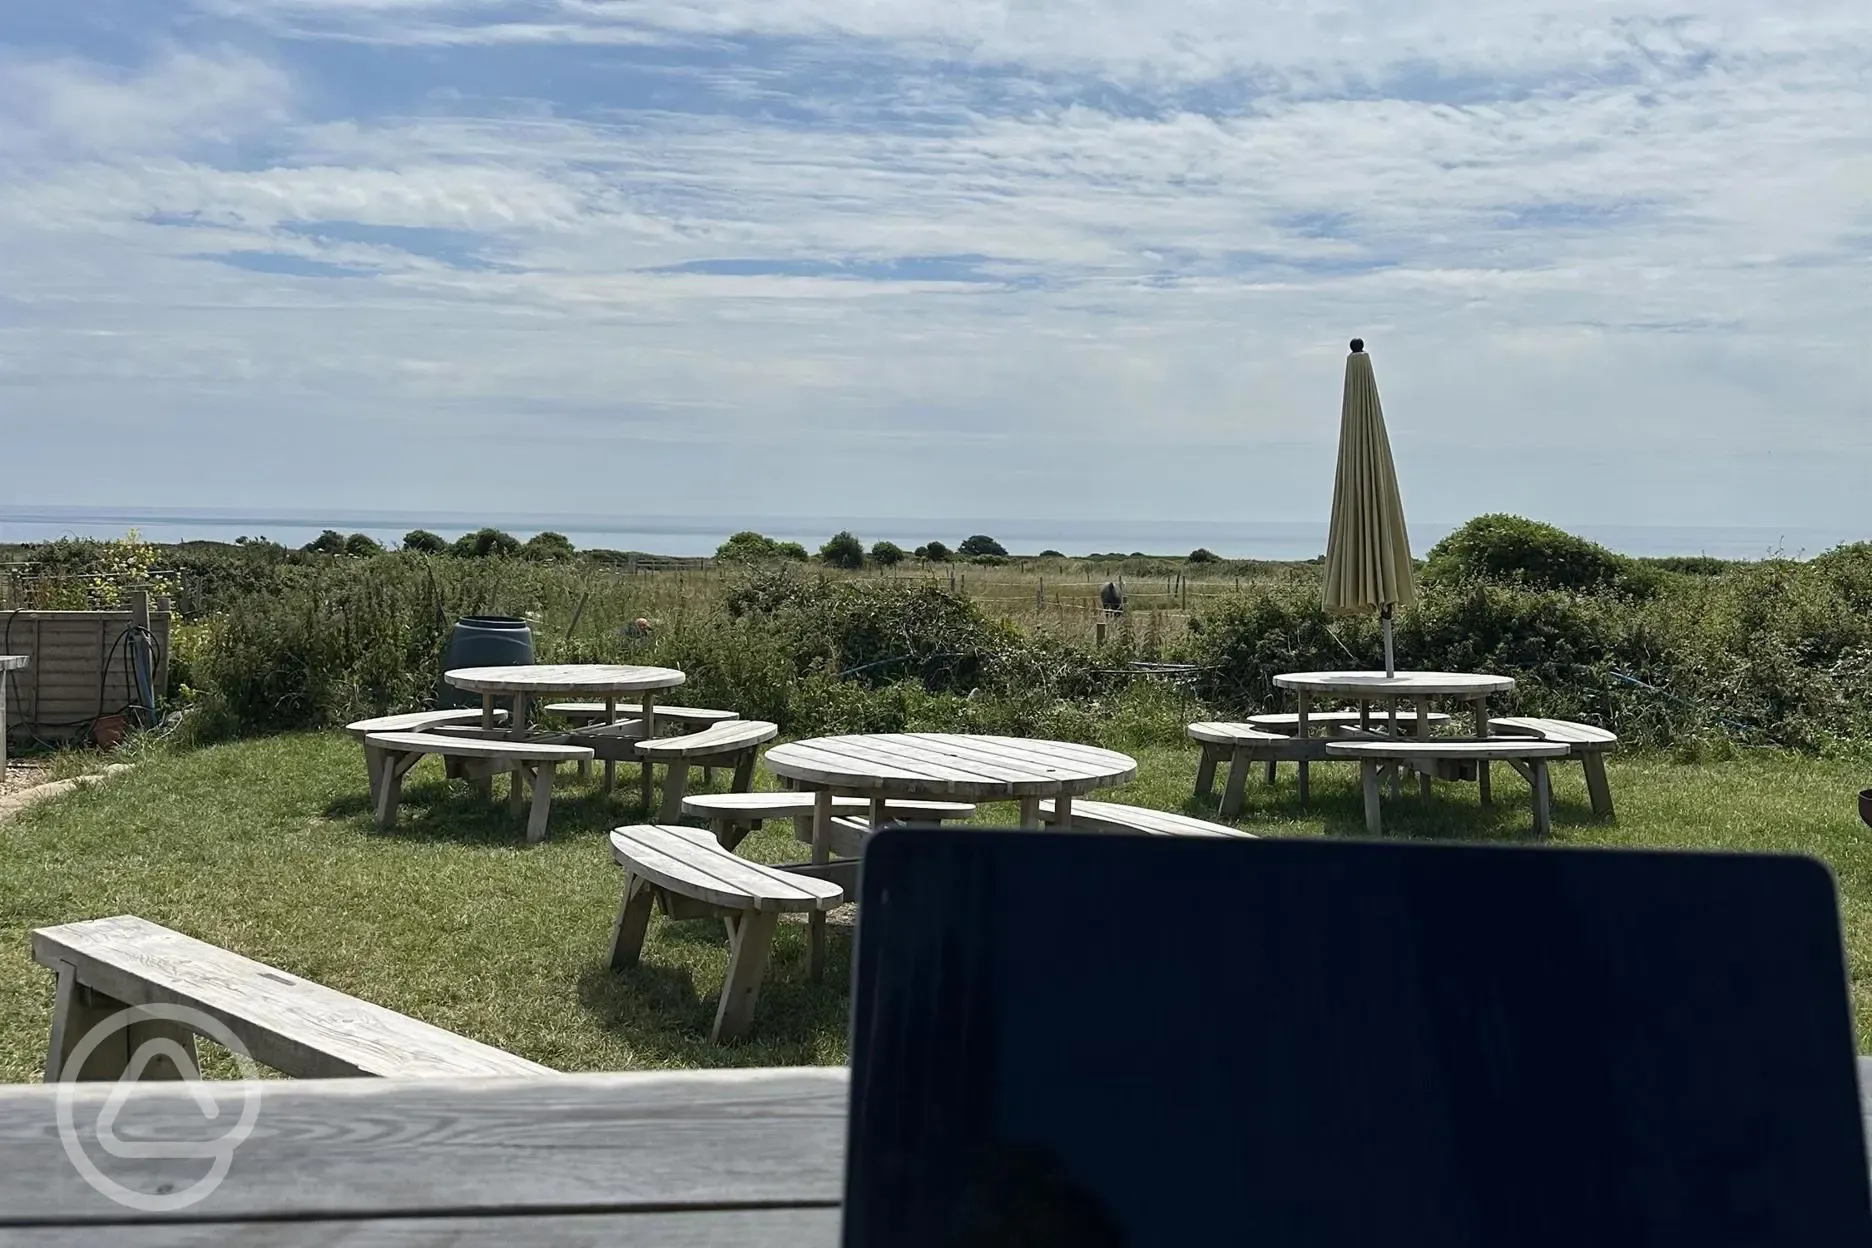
516	779
1420	733
1302	730
1596	784
1062	813
821	854
1482	732
750	943
390	786
1374	819
1397	773
610	764
1029	812
484	785
1237	781
373	765
1543	813
76	1010
649	734
675	784
627	934
542	801
1205	771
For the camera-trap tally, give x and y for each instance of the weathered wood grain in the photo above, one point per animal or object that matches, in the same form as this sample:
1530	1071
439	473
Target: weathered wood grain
475	747
1402	685
600	678
810	1227
288	1023
955	765
1118	817
726	738
358	1149
690	862
1472	751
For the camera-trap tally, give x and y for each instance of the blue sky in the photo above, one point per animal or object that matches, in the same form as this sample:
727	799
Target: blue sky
981	258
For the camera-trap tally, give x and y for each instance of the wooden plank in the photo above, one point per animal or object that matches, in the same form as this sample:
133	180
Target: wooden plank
601	678
352	1148
810	765
475	747
1410	751
1574	734
417	721
725	738
1119	817
701	1228
1214	732
691	862
869	762
290	1024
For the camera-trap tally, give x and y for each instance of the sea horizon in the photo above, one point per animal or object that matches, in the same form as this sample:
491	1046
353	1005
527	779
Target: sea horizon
700	535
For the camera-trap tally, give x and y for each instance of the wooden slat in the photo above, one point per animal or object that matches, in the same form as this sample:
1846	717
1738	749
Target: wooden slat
605	678
985	756
675	714
1291	719
690	862
1472	750
287	1023
723	738
700	1228
354	1148
1564	730
1218	733
475	747
836	757
1117	816
417	721
895	752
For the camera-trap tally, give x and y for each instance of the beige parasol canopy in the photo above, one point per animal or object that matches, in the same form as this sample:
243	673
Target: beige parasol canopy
1368	560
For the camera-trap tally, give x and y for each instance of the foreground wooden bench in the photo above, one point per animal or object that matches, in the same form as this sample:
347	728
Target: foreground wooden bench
1093	816
529	761
1243	745
1585	742
408	721
106	966
692	876
1528	757
733	743
731	816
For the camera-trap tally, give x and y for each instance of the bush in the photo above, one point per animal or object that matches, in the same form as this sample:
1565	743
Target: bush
330	542
1540	556
486	544
362	546
792	550
549	547
843	551
1202	554
933	552
887	554
747	546
423	542
1051	554
980	546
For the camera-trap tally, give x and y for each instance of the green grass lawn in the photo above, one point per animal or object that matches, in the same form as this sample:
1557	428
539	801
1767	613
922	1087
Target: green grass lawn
265	847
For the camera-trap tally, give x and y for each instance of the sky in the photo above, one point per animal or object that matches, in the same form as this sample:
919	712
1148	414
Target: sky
1069	259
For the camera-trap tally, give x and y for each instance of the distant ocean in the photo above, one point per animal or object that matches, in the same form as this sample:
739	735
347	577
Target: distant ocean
700	535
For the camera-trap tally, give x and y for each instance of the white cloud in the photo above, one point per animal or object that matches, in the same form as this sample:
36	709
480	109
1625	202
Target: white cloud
1605	226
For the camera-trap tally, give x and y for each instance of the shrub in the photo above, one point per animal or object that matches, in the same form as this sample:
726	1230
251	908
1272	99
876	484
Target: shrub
423	542
330	542
1202	554
887	554
843	551
748	545
1540	556
933	552
1051	554
549	547
362	546
980	545
486	544
792	550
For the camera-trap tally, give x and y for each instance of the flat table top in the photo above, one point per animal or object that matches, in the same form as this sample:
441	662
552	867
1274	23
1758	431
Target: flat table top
1401	685
565	678
13	662
938	764
735	1158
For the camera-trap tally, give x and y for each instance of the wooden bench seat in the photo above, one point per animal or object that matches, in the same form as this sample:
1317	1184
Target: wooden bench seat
106	966
730	743
1288	722
1243	745
529	762
692	876
731	816
1528	757
1094	816
410	721
1586	742
675	716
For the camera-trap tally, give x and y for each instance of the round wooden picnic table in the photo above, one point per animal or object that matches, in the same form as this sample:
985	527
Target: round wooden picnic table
1419	688
958	766
610	681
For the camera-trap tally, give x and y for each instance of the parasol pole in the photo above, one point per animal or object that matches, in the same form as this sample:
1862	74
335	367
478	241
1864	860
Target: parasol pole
1390	663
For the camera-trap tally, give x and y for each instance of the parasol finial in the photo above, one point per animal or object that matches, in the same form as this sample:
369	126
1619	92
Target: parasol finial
1358	344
